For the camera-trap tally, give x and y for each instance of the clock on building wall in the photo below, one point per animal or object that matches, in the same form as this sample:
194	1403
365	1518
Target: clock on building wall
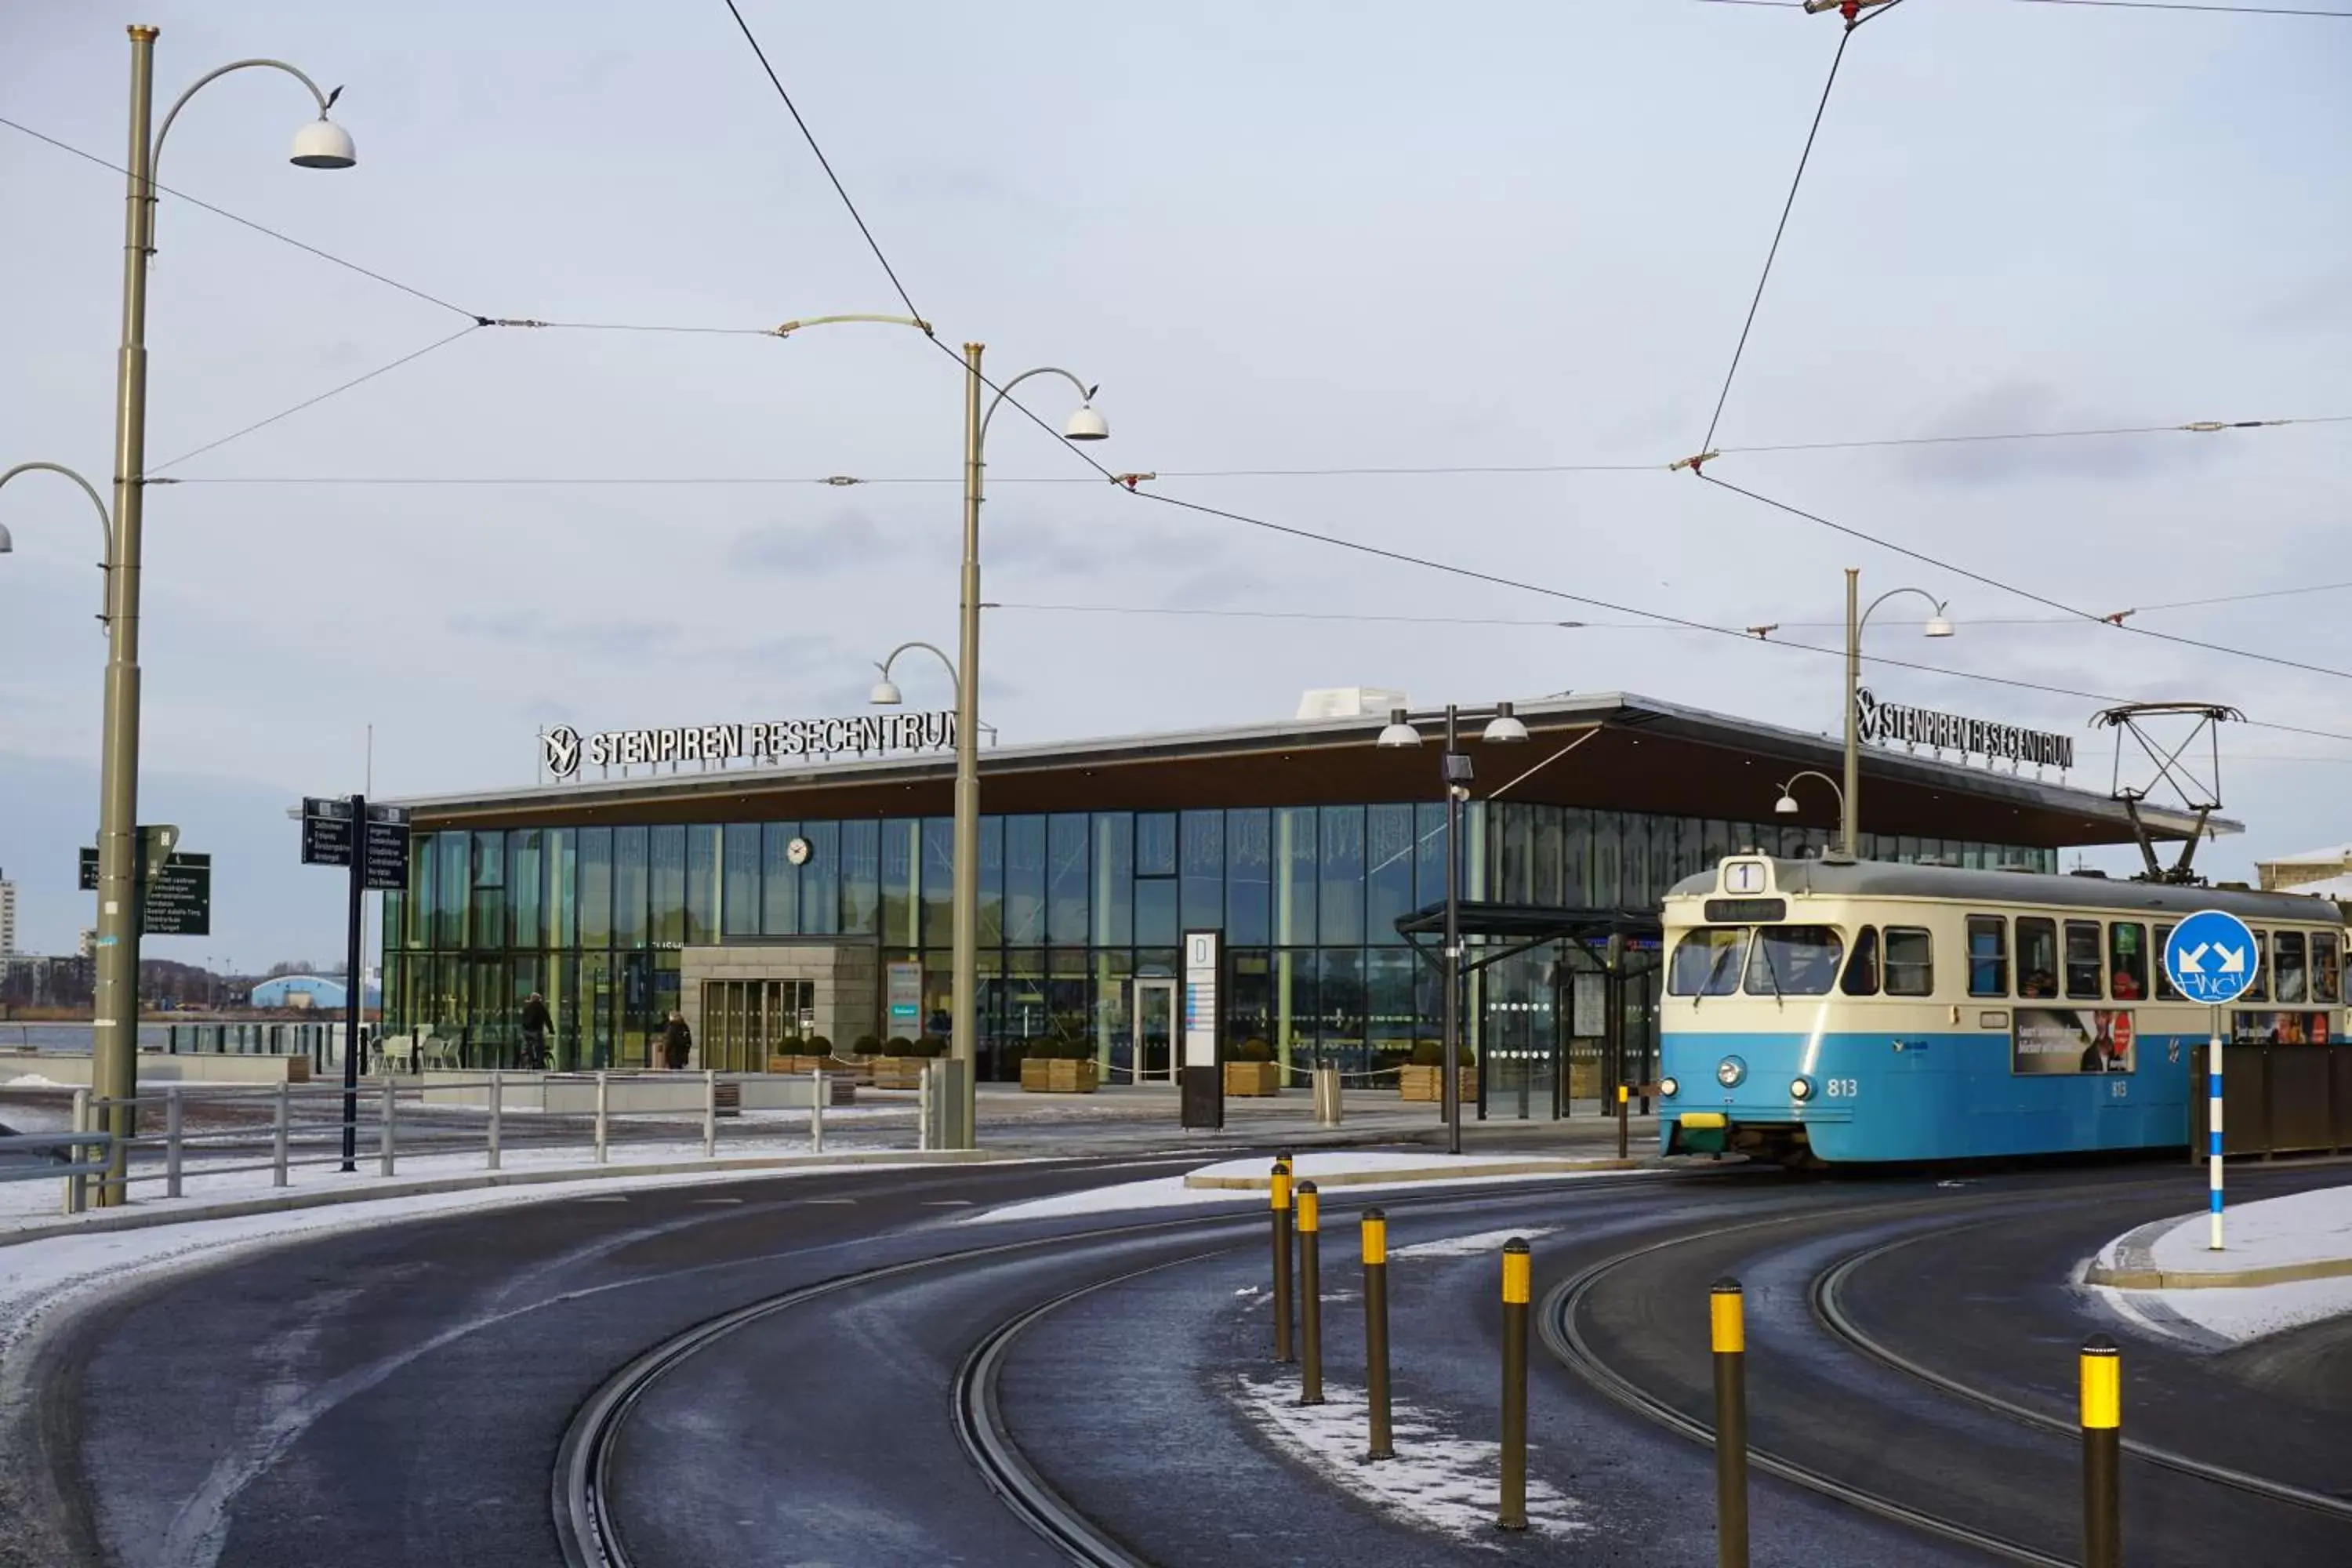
798	851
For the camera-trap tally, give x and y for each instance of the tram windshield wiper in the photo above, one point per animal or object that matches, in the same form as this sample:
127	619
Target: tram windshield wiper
1771	970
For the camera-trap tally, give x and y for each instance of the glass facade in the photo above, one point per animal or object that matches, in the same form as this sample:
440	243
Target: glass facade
1075	909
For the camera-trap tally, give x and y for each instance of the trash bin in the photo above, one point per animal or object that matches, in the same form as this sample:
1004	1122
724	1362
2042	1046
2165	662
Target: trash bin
1327	1095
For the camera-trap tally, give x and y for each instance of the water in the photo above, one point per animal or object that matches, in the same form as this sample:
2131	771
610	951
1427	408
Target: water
68	1039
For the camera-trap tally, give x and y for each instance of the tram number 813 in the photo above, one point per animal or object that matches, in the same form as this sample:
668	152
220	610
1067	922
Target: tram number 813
1843	1088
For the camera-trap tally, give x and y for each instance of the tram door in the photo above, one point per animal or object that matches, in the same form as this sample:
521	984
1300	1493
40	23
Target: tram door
1155	1030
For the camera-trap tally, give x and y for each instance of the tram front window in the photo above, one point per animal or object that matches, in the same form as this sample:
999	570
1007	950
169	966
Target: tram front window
1706	962
1795	960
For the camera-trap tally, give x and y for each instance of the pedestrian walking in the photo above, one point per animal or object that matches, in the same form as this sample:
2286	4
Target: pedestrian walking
534	1021
678	1042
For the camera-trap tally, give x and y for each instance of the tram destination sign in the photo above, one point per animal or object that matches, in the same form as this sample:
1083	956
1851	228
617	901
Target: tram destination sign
1886	724
566	751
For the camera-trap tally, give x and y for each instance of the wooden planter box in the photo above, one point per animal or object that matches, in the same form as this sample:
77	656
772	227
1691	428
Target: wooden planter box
898	1072
1253	1077
804	1064
1428	1084
1060	1077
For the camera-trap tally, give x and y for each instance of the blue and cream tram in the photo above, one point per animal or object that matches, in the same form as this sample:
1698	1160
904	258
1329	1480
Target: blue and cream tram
1825	1012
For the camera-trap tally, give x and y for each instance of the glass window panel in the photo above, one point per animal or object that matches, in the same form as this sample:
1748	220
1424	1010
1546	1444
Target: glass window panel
1608	859
524	888
1987	955
740	889
1298	838
1795	960
824	896
1692	841
1715	845
779	882
702	883
630	885
1342	876
1910	961
2259	989
1477	831
1576	858
595	887
992	882
2293	982
562	899
1706	962
450	889
2037	958
2164	991
417	926
1341	1002
2085	977
1203	892
489	925
666	854
1862	967
2327	968
1549	855
2128	961
1025	879
935	871
1517	849
1065	879
1114	879
1388	855
1249	876
1428	853
1906	848
1390	1015
1155	911
900	852
1292	996
1155	844
853	903
1249	1005
393	912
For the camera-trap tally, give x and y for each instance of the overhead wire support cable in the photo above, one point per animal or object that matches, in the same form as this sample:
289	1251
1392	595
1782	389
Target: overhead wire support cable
408	358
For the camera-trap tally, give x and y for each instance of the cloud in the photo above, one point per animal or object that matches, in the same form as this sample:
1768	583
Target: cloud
845	540
617	638
2026	406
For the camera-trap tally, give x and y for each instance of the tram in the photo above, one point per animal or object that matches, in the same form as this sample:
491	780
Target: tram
1819	1012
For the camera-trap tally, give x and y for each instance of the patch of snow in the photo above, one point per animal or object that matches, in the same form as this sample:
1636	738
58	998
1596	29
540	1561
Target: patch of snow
35	1080
2236	1313
2303	1227
1439	1481
1169	1191
1476	1244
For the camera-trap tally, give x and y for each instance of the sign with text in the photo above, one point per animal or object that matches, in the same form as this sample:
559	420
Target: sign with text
566	751
1203	1078
2052	1040
1882	724
177	901
386	841
902	987
2210	957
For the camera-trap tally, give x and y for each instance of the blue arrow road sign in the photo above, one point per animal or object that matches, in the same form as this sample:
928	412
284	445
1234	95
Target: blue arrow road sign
2210	957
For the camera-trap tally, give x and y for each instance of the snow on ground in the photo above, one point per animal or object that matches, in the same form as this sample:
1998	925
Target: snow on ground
38	1277
1473	1245
1439	1480
2301	1228
1170	1191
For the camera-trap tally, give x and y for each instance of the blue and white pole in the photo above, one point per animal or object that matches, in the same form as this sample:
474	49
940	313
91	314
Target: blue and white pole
2213	1126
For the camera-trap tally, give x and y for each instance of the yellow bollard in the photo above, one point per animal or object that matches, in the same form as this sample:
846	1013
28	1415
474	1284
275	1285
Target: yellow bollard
2102	1441
1376	1333
1728	1313
1310	1294
1516	1280
1279	1192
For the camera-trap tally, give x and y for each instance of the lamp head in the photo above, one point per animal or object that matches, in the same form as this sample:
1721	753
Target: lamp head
1786	806
1941	625
885	694
6	543
323	144
1086	425
1505	725
1398	733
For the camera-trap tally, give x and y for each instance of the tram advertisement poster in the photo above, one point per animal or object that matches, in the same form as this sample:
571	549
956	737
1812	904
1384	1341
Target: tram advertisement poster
2055	1040
2293	1028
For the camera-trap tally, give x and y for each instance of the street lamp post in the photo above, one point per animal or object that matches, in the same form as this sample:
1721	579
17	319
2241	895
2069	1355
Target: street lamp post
885	692
1455	768
320	145
1786	805
964	1004
1938	626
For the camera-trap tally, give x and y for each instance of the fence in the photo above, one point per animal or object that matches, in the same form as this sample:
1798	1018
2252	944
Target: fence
186	1133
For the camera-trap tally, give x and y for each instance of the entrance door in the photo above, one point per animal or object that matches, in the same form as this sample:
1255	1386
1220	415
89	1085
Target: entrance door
1155	1031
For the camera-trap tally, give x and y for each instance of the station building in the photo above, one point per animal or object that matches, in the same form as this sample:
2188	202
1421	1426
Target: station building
768	890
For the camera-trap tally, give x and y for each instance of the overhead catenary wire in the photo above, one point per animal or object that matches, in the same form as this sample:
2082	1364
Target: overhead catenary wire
2103	5
409	358
2043	599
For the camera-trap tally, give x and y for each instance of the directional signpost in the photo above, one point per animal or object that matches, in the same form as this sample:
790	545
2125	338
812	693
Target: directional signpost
373	842
175	891
2211	958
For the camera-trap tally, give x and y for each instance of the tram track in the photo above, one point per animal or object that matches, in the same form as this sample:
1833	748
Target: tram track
583	1492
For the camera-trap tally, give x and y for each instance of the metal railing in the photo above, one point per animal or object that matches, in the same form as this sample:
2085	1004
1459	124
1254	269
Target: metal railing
214	1131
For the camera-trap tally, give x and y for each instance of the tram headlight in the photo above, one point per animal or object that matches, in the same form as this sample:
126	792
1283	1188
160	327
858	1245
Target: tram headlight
1800	1088
1668	1088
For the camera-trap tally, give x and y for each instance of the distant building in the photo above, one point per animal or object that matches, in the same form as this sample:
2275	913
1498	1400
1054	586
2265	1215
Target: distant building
8	920
2296	873
89	943
309	991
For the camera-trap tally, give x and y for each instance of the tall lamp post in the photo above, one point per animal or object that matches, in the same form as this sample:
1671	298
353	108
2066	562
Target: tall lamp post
320	144
1505	728
1938	626
963	1016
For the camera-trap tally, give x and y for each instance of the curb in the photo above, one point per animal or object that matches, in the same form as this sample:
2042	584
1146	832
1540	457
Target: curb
1425	1174
145	1218
2222	1279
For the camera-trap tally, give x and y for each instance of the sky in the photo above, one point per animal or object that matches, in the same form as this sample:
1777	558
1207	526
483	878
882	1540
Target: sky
1318	235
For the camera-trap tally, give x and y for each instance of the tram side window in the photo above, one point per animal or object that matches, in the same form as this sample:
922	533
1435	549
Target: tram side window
2164	987
1862	968
2292	981
2128	961
1987	955
2084	970
1795	960
2260	991
2037	958
2327	968
1706	962
1910	961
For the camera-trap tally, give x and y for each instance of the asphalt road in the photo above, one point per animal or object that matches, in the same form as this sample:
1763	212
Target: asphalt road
398	1395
